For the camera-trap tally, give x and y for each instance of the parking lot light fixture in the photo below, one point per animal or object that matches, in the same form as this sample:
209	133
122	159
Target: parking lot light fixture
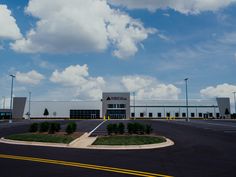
186	92
234	102
11	101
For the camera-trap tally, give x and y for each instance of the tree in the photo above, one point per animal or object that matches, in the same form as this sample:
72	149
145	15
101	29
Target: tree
227	111
46	113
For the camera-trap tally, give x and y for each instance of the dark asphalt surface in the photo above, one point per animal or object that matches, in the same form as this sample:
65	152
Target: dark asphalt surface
202	149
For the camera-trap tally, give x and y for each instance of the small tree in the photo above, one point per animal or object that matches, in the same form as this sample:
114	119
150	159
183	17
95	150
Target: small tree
227	111
71	127
34	127
46	113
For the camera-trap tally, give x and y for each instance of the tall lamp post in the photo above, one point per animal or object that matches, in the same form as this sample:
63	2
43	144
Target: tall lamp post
11	101
134	103
186	89
29	104
234	102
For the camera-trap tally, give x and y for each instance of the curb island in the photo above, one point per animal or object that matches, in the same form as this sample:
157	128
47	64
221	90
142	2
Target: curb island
85	142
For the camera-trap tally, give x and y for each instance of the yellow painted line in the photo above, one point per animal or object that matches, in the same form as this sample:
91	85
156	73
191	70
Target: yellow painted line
83	165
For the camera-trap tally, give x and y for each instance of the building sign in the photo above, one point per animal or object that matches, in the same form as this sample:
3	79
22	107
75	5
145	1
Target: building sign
116	98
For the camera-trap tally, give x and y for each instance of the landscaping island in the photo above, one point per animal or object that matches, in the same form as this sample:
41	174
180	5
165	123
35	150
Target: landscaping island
119	136
39	137
129	140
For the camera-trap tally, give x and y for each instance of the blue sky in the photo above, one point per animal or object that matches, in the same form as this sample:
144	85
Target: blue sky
77	49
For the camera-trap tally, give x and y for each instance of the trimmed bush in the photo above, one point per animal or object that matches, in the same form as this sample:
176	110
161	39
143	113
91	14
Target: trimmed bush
121	128
130	127
57	127
54	127
115	128
71	127
148	129
34	127
109	129
44	127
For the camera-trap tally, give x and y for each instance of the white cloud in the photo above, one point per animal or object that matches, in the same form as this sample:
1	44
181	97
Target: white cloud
9	28
31	77
228	38
147	87
223	90
81	26
182	6
76	80
77	76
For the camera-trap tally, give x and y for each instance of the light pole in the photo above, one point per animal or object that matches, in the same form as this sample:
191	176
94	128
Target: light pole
134	103
29	103
3	102
234	102
12	78
186	89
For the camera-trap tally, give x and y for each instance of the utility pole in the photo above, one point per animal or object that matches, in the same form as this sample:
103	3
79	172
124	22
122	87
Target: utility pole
186	89
12	78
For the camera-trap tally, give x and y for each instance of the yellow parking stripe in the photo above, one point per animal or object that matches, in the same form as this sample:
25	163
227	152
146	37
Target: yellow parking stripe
82	165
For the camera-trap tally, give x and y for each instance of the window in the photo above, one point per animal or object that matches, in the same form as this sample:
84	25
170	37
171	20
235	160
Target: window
150	114
168	114
111	106
217	115
121	105
158	114
200	114
183	114
132	114
84	114
176	114
192	114
210	114
141	114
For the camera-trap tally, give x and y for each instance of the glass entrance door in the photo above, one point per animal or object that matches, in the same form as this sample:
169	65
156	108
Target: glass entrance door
116	114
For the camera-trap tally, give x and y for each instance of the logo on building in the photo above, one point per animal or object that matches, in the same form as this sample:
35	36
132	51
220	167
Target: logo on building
116	98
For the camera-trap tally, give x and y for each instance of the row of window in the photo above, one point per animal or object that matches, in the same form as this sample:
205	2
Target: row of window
84	114
5	115
116	106
200	115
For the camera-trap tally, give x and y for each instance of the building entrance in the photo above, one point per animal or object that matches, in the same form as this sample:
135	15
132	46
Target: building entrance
116	114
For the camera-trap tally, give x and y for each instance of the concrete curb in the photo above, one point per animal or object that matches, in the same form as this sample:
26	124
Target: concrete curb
85	142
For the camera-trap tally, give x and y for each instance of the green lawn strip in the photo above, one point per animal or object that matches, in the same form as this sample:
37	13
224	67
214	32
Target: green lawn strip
128	140
41	138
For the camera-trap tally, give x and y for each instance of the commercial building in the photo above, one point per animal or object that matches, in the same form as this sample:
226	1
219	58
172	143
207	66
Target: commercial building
118	105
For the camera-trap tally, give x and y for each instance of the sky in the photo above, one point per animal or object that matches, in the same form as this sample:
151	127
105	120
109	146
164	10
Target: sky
76	49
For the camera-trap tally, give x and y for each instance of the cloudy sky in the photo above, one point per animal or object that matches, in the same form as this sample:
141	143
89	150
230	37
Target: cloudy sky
75	49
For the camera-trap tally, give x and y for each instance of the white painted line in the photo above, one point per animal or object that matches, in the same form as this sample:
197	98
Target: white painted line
221	125
97	127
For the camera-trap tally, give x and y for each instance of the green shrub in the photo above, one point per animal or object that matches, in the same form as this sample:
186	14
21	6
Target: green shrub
130	127
52	127
148	129
109	129
115	128
121	128
34	127
44	127
57	127
71	127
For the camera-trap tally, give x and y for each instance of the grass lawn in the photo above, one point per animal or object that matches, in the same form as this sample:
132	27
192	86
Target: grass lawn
52	138
128	140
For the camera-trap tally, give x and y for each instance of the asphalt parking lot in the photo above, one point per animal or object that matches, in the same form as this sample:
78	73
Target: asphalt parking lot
202	149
